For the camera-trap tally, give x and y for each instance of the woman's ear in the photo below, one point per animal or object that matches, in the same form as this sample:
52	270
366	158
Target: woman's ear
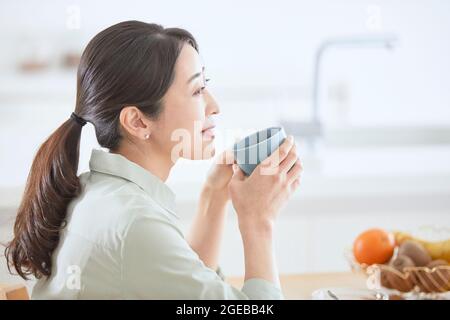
135	123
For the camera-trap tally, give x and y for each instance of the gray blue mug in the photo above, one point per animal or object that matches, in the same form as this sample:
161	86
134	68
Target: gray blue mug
253	149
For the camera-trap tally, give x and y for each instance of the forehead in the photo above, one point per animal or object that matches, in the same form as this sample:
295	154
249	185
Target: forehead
188	63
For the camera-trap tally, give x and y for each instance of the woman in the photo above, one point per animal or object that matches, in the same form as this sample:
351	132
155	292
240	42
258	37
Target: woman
113	232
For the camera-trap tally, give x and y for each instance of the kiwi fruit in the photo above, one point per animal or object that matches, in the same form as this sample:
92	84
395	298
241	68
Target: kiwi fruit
428	282
441	276
418	254
401	262
390	279
397	282
437	263
384	279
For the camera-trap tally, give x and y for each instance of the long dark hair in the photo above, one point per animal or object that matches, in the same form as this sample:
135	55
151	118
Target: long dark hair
130	63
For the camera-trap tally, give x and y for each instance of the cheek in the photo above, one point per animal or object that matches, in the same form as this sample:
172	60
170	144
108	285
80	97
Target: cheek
181	124
190	120
189	115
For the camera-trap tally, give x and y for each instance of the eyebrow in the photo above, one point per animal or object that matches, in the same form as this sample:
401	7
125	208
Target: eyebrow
198	74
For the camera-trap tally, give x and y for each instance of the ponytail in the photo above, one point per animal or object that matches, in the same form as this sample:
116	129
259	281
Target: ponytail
52	183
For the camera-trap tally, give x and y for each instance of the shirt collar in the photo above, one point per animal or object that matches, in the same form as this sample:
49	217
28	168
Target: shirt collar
117	165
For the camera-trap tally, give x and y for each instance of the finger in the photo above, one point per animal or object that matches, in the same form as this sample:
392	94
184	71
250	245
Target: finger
290	160
295	184
238	174
295	172
226	157
279	154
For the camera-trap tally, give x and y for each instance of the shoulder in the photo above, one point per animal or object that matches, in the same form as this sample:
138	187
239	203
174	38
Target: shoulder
110	205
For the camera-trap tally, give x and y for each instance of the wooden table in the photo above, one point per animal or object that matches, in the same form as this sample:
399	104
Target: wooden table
13	292
301	286
295	286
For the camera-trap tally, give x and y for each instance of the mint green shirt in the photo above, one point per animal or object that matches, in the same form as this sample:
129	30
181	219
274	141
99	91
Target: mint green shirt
123	241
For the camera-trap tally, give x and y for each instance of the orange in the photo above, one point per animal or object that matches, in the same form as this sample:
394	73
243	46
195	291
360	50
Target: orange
373	246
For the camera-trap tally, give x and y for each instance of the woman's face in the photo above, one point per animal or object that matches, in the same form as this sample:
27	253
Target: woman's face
182	127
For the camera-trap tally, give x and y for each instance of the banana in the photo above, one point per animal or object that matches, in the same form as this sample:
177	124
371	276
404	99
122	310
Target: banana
437	249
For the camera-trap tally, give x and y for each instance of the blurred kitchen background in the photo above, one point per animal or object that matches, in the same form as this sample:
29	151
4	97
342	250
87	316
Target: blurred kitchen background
364	84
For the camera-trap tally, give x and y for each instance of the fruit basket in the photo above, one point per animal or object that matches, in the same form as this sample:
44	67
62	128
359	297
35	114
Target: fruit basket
425	275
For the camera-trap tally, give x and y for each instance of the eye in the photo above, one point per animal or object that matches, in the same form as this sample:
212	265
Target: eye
199	91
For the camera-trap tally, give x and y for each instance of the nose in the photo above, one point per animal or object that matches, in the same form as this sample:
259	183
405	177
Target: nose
211	105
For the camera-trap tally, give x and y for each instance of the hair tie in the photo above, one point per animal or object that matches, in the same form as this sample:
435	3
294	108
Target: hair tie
78	119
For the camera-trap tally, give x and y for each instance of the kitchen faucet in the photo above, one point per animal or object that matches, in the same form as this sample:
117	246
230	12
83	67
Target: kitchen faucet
311	130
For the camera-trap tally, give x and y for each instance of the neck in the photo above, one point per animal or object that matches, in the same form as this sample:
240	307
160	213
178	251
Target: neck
149	157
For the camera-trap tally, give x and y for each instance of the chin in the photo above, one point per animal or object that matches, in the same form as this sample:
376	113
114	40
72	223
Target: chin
209	154
209	150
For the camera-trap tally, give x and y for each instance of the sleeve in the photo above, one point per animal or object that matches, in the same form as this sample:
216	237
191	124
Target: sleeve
158	263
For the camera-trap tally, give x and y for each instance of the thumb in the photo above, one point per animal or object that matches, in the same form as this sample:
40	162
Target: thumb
238	174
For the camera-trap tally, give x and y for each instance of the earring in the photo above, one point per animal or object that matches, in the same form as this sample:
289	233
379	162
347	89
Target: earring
147	136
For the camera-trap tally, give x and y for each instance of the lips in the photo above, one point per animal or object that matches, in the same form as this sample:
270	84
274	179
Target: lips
209	128
208	132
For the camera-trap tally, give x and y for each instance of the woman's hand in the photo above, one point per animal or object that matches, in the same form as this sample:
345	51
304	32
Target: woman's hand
205	235
258	198
220	175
